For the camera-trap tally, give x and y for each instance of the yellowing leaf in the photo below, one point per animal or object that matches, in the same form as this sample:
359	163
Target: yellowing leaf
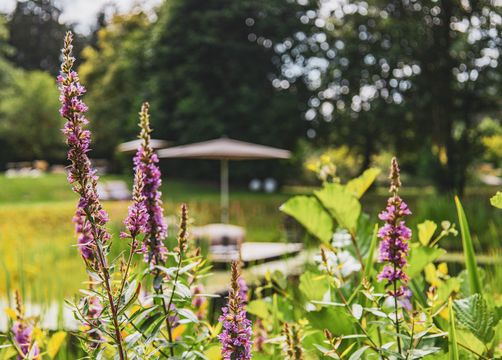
431	275
496	200
213	353
11	313
443	268
55	343
359	185
177	331
425	231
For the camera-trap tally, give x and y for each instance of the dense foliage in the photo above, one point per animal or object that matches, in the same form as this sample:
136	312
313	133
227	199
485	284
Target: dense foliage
373	290
427	68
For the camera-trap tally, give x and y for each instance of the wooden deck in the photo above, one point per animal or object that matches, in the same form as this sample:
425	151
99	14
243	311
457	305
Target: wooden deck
252	252
293	265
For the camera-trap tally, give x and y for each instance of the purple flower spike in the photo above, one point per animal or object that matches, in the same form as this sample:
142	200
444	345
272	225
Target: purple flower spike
23	337
137	217
145	161
394	236
22	332
90	218
236	336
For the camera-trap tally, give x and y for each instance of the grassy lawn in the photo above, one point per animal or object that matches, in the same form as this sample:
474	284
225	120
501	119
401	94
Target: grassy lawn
37	251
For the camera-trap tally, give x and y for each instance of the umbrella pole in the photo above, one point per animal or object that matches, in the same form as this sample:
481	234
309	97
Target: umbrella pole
224	191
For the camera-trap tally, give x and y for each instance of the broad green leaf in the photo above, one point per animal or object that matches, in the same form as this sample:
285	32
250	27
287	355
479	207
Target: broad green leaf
55	343
452	334
323	319
425	231
473	313
310	213
341	204
420	256
368	269
259	308
468	340
496	200
314	286
470	257
359	185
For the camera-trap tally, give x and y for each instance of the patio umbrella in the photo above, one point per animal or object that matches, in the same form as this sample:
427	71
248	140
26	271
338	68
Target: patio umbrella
224	149
132	146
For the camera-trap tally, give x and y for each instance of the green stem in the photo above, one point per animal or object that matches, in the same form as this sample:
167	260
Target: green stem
129	260
104	269
171	301
396	319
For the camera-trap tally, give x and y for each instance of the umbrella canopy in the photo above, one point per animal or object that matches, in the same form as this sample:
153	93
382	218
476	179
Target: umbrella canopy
132	146
224	149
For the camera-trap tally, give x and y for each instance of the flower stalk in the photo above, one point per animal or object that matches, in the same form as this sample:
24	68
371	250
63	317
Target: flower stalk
394	246
236	336
182	245
90	218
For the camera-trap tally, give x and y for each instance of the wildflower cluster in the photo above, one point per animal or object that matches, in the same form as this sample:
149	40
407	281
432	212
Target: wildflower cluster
394	237
137	217
90	218
236	335
293	345
145	162
23	334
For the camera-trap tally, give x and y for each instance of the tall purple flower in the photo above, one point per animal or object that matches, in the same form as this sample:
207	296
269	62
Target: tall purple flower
137	217
394	248
146	161
22	332
236	335
394	236
90	218
23	337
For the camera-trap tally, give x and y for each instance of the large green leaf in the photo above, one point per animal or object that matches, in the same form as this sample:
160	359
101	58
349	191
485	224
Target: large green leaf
335	319
470	257
359	185
420	256
425	231
314	286
473	313
452	334
496	200
341	204
310	213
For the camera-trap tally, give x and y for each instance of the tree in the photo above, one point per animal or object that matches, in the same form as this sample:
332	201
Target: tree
435	62
114	75
29	121
211	72
36	33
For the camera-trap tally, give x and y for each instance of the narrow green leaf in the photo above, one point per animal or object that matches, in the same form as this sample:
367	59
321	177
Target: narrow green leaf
452	334
310	213
368	268
470	257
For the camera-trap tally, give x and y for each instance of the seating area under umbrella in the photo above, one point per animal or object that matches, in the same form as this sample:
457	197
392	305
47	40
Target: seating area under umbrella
224	149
